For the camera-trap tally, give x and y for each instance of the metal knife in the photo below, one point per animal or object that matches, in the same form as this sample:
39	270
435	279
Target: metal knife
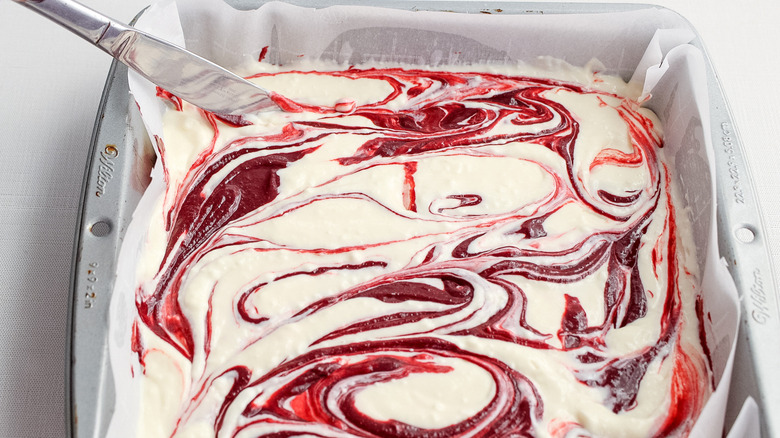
186	75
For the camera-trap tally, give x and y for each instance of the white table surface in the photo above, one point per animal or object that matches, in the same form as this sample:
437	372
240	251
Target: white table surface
50	86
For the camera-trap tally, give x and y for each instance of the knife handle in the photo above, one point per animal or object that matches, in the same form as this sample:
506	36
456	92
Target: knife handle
79	19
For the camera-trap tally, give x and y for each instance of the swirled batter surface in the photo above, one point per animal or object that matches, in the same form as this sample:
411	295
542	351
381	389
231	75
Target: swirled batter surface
407	252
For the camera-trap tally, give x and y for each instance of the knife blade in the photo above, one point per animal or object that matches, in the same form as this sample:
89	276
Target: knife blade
173	68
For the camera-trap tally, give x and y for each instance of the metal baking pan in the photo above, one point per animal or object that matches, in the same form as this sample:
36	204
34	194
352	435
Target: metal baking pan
121	157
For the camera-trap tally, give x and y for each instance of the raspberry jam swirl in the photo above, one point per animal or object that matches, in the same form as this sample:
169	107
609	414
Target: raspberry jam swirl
416	253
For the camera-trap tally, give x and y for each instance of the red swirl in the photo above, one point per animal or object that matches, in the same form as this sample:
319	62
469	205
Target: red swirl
319	388
460	284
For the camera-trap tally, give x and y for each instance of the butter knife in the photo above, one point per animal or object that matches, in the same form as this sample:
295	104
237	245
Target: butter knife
176	70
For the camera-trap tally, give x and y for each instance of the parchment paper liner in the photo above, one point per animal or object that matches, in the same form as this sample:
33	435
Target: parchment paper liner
647	45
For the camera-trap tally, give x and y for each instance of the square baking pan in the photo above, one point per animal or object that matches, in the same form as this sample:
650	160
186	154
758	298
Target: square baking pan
121	158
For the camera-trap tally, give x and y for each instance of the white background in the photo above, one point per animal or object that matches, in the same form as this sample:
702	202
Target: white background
50	87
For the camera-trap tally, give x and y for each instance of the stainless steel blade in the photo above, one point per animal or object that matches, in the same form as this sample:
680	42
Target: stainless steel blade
186	75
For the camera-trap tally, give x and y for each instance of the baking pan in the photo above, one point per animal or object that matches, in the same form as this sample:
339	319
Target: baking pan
118	170
118	167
